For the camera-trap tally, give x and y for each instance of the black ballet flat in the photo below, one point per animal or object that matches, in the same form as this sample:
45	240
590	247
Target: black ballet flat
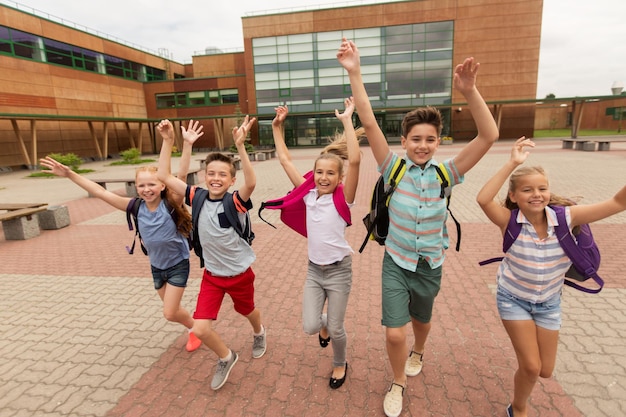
323	342
336	383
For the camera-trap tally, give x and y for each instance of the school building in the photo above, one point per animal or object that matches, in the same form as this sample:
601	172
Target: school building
69	90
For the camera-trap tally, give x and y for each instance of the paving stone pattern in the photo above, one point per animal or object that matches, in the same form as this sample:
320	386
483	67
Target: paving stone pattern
82	333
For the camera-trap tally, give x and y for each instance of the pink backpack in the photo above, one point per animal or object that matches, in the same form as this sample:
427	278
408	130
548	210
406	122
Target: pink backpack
293	210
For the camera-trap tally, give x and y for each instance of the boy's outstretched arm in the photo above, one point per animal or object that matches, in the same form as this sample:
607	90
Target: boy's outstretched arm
278	130
354	152
465	82
172	183
348	57
190	135
485	198
91	187
239	136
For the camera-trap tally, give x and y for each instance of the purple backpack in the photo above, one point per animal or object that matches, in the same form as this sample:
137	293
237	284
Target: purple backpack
580	249
293	210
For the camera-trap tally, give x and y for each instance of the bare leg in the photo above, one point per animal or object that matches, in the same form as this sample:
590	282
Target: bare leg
397	352
172	311
535	348
203	329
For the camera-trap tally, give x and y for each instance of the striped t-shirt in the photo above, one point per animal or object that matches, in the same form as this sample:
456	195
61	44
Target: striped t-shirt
533	269
417	213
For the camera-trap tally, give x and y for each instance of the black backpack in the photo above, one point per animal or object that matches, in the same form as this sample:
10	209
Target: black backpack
131	217
197	197
377	220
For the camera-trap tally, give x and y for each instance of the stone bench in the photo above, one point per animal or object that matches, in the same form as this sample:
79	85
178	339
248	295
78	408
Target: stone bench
589	144
54	217
265	154
21	224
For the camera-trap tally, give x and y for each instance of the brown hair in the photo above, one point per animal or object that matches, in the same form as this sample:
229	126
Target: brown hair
183	217
337	149
218	156
428	115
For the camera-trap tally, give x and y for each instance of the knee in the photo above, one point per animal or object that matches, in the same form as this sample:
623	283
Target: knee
202	328
531	371
170	314
336	332
310	327
395	336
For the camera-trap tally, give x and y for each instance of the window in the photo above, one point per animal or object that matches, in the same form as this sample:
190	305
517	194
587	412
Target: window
197	98
25	45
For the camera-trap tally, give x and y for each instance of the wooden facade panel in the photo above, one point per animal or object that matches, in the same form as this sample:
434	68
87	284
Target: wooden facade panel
14	101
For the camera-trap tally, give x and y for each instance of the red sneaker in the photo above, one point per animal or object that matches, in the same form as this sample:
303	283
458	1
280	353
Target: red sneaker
193	343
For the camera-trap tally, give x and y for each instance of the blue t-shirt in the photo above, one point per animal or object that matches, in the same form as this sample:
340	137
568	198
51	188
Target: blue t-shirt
166	247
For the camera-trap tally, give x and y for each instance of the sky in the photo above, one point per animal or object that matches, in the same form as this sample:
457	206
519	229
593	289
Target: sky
582	52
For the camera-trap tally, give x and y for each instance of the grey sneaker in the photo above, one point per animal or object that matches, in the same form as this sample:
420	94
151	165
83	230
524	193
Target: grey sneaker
259	345
222	371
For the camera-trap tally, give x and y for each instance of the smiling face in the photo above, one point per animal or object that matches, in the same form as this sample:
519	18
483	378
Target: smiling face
421	143
531	193
148	186
327	173
218	178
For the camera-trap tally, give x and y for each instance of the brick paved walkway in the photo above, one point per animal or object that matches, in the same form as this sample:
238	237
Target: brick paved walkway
82	332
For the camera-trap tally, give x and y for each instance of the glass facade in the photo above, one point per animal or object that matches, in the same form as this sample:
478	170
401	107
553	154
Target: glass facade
403	67
25	45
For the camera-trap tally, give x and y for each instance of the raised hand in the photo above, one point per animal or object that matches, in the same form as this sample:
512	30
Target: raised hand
55	166
518	155
166	129
348	110
241	132
465	75
193	131
281	115
348	55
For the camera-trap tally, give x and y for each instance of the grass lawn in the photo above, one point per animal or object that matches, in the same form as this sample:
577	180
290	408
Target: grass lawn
566	133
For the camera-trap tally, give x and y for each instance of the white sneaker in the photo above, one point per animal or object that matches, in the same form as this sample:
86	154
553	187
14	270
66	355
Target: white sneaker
393	400
413	365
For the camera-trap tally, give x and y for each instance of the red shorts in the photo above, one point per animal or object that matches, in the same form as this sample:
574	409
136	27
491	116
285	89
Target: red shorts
212	290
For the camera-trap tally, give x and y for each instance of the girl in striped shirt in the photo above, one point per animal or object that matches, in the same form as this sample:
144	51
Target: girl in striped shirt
530	278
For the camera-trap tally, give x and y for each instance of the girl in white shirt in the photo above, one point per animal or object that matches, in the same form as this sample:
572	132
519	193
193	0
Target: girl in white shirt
329	275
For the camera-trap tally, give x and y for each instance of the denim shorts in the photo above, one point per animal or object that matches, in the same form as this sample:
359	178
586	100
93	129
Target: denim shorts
176	275
546	314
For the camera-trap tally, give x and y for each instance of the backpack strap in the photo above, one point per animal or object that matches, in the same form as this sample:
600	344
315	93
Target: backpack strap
446	192
397	172
195	198
511	233
294	197
341	204
132	210
232	207
578	252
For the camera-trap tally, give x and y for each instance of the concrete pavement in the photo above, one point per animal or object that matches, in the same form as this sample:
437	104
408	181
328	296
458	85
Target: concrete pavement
82	332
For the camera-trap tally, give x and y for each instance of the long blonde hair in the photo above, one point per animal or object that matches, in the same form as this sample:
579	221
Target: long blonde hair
555	200
183	217
337	149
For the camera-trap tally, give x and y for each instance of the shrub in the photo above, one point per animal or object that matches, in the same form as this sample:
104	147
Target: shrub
70	159
249	148
131	156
